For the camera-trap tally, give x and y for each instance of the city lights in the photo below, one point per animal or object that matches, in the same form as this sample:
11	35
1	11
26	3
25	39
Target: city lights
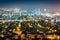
19	23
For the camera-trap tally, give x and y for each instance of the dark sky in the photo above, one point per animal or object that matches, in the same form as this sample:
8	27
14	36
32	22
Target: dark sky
28	3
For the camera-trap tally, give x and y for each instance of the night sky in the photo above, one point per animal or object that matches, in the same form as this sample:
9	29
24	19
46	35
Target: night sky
27	4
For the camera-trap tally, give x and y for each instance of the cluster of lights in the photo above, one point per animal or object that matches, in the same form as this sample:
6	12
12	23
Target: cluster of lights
18	30
17	10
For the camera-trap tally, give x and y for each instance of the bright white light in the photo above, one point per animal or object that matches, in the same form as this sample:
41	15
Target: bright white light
46	14
52	20
21	20
58	37
57	20
45	9
57	14
9	20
